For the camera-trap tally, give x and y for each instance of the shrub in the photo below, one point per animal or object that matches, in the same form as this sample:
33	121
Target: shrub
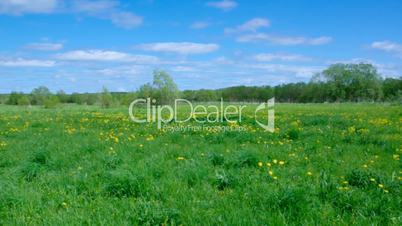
51	102
24	101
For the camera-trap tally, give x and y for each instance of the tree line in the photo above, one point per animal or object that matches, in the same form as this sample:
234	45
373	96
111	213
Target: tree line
338	83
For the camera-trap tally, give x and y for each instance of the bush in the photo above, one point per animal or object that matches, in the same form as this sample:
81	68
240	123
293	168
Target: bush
24	101
51	102
106	99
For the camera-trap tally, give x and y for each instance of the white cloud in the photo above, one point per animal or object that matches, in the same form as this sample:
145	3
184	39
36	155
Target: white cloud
299	71
251	25
224	5
20	62
388	46
284	40
19	7
44	46
93	7
280	56
199	25
102	9
183	69
126	19
223	61
185	48
104	55
107	9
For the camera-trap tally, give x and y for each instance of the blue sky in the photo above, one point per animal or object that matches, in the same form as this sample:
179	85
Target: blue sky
82	45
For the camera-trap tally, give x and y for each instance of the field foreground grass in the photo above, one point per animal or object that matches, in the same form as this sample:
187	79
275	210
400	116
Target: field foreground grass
325	164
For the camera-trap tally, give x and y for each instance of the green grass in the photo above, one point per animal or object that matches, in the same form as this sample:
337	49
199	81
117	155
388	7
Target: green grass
329	164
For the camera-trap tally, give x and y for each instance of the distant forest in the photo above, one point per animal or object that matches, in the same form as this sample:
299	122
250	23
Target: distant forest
338	83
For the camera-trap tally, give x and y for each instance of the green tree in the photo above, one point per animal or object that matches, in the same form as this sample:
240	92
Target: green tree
352	82
63	97
51	102
392	89
165	89
13	98
24	101
40	94
106	99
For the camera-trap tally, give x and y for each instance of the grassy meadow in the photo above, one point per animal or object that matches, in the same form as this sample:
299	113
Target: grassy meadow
325	164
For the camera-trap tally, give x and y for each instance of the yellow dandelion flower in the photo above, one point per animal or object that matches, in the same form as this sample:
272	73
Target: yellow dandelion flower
309	173
180	158
365	166
372	179
380	185
268	164
271	173
275	178
281	162
260	164
275	161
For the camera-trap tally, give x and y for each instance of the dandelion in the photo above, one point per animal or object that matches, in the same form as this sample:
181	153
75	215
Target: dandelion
365	166
150	138
180	158
281	162
380	185
345	182
268	164
260	164
271	173
275	161
64	204
309	173
386	191
275	178
372	179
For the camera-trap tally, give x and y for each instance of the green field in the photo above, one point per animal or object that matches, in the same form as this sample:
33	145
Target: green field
326	164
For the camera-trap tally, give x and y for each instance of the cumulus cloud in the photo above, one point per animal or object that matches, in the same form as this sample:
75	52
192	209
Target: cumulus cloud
93	7
299	71
388	46
184	48
280	57
284	40
19	7
20	62
251	25
102	9
199	25
224	5
45	46
104	56
126	19
183	69
107	9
